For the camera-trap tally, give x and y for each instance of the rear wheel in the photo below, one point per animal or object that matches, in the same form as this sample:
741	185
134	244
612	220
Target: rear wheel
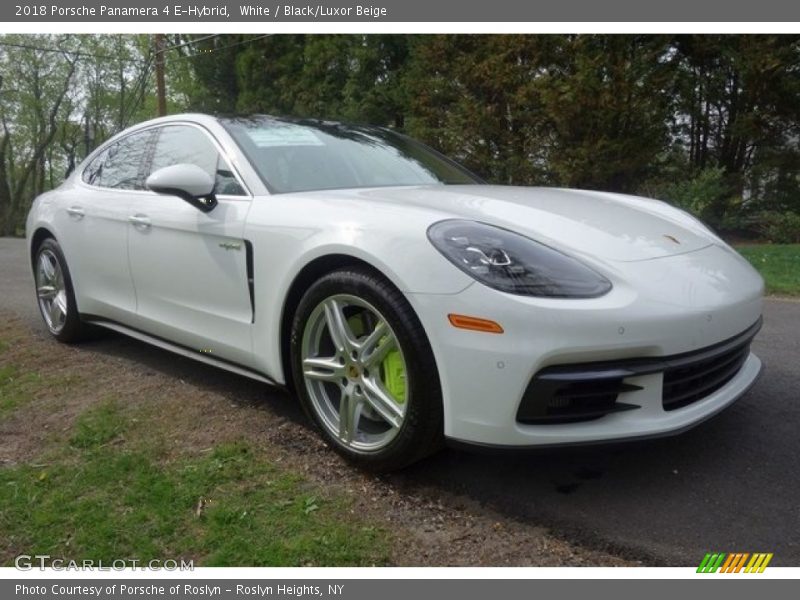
365	372
55	295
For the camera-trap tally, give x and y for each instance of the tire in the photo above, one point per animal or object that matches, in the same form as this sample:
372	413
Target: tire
370	385
55	294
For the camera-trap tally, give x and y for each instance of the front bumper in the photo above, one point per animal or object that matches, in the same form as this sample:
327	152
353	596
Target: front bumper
676	309
582	392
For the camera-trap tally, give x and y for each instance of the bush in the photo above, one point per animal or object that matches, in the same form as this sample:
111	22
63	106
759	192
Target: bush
705	195
780	228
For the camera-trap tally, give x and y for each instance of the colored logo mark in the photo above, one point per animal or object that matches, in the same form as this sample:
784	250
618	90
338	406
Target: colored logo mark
735	562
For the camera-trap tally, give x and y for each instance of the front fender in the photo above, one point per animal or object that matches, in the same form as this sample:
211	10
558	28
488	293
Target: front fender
289	231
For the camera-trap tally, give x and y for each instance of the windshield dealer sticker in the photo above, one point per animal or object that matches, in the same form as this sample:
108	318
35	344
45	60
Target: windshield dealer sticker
287	135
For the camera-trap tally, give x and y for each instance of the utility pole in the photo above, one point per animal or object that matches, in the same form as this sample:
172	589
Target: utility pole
161	91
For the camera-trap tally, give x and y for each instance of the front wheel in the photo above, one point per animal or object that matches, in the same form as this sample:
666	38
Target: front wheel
365	372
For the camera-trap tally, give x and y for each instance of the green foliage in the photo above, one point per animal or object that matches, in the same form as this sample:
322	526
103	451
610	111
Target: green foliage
780	228
779	265
477	98
605	102
350	77
61	96
700	195
712	121
588	111
204	74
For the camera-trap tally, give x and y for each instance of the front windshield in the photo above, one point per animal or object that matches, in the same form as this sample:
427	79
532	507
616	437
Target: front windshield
299	156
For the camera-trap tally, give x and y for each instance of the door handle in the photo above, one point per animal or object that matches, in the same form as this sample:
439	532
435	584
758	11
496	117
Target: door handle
76	211
140	221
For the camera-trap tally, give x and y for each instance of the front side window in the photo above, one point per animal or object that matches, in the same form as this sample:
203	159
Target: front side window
120	165
183	144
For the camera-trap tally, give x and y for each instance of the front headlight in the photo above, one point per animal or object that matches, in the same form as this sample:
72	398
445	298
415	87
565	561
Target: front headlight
512	263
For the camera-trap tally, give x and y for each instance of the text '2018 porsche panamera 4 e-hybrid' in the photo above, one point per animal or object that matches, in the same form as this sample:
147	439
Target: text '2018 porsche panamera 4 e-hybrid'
403	300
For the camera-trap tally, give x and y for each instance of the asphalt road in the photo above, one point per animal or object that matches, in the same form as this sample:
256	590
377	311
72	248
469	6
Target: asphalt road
732	484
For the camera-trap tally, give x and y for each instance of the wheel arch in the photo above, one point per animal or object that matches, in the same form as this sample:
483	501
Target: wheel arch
39	235
304	279
424	434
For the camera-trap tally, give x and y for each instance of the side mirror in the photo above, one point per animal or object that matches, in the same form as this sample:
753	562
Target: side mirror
188	182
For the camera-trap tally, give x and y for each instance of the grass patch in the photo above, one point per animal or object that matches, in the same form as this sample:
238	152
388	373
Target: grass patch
106	489
16	388
228	508
19	385
779	265
98	425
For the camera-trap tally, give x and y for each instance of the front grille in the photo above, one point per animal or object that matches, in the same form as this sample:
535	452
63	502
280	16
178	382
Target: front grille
692	382
582	392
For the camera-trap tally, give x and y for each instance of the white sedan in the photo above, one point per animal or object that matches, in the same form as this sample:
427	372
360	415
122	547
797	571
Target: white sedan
403	300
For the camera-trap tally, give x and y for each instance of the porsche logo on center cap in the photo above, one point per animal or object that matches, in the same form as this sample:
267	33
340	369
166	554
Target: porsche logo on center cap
672	239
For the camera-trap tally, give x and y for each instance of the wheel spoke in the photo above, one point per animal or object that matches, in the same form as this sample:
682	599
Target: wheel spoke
323	369
342	337
47	268
61	301
46	292
372	341
349	415
55	311
385	345
384	405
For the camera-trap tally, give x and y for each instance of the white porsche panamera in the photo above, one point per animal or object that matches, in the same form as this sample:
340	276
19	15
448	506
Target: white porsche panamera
403	300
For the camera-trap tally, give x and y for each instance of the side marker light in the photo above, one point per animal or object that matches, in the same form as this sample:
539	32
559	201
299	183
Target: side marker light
474	323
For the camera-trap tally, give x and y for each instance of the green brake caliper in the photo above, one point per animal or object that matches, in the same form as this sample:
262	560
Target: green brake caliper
394	376
393	373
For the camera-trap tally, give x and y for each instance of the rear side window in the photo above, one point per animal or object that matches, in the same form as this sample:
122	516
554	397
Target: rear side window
121	165
182	144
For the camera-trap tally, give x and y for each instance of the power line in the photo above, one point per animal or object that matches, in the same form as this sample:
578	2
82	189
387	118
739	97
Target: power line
139	101
137	95
82	54
78	53
241	43
190	42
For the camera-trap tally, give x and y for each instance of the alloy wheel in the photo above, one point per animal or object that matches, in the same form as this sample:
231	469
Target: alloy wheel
354	372
51	291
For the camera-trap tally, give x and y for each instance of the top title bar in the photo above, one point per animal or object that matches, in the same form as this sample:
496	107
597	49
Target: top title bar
462	11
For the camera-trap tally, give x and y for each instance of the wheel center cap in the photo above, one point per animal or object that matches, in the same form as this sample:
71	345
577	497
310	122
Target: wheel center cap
353	372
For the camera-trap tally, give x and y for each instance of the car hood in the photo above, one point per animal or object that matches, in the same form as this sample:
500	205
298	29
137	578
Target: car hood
607	226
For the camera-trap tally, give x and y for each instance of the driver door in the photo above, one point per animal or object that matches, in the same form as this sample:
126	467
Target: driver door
189	268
